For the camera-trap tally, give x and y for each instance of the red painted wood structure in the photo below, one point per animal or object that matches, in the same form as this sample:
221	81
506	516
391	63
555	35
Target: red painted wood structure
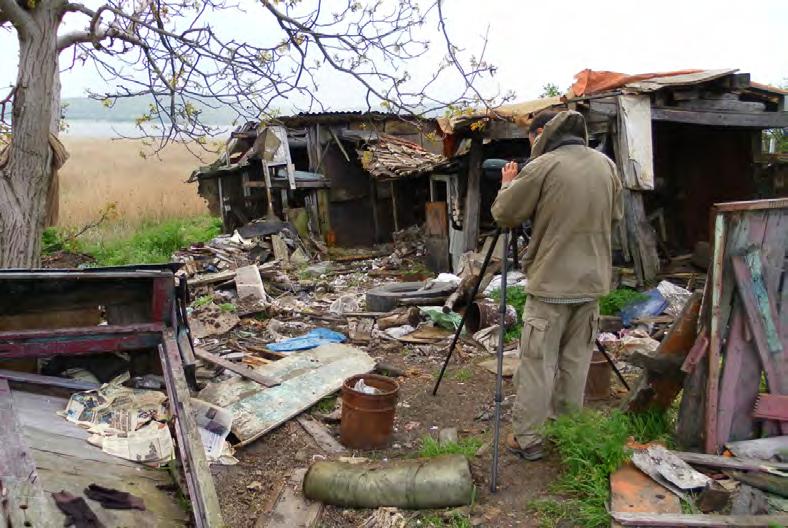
744	335
46	313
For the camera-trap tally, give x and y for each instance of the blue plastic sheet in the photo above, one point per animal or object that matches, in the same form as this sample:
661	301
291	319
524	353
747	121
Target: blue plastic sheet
313	339
654	305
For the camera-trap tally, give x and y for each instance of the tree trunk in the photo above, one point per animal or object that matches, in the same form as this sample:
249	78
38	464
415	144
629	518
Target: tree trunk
27	175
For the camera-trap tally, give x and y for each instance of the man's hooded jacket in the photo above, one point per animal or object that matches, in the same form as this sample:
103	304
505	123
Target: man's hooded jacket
572	194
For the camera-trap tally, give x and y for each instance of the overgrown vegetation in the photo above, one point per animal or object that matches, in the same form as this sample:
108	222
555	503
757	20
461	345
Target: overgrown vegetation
151	244
613	302
430	447
515	297
434	520
463	374
326	405
592	445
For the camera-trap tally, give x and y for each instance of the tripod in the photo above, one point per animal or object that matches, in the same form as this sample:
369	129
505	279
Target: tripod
499	370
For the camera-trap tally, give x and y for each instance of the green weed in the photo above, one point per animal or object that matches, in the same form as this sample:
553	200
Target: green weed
591	446
613	302
154	243
228	307
434	520
549	512
462	375
430	447
203	300
515	297
326	405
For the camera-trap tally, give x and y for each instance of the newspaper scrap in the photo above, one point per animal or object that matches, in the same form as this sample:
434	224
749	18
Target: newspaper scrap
116	407
125	422
150	444
214	425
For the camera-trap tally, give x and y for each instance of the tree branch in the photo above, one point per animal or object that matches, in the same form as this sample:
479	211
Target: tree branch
13	12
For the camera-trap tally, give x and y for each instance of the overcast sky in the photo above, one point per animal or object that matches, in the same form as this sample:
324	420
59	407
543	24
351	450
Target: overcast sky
533	43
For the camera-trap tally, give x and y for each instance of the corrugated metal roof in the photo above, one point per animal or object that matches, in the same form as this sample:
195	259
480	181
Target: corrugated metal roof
686	79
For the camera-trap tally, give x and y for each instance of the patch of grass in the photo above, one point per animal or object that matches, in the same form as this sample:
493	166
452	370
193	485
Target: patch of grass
228	307
591	446
613	302
430	447
434	520
154	243
202	300
515	297
326	405
549	512
463	374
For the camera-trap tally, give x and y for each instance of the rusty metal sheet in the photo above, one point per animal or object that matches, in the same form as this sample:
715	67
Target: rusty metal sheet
632	491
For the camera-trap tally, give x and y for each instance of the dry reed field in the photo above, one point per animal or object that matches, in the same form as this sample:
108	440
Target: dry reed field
101	172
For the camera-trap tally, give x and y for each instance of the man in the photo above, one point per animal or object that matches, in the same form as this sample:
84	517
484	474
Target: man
572	194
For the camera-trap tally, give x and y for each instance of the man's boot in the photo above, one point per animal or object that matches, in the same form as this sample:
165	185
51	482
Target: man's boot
530	453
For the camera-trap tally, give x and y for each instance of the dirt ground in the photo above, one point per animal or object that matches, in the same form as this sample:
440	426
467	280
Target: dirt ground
466	404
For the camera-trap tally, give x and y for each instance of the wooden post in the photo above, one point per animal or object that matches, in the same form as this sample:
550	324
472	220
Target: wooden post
373	197
470	223
641	237
394	205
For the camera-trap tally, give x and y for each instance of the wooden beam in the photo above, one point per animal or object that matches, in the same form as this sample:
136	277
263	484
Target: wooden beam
724	119
714	521
641	237
202	491
722	462
715	337
238	368
211	278
721	105
472	212
23	500
50	381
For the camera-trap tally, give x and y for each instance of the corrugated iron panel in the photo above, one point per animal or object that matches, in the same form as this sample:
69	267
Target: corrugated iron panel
687	79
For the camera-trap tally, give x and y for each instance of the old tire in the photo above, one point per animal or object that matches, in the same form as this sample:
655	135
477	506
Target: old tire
385	298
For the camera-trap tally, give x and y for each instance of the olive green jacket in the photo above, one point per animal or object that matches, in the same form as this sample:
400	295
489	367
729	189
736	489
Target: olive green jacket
573	195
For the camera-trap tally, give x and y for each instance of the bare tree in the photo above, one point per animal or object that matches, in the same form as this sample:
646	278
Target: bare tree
167	50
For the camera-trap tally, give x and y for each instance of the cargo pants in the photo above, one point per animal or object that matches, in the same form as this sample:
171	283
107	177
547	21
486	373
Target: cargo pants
555	354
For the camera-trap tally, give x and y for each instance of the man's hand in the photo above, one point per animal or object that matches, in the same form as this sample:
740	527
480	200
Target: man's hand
508	172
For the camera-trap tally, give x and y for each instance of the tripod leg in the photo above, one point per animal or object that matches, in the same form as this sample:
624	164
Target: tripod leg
475	290
612	364
499	372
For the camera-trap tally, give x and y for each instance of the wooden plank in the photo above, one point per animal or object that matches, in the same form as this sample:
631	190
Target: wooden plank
762	448
726	462
761	314
23	500
741	378
688	520
320	434
238	368
75	341
472	210
205	502
52	381
292	509
437	222
641	237
721	105
725	119
771	407
211	278
715	338
752	205
306	377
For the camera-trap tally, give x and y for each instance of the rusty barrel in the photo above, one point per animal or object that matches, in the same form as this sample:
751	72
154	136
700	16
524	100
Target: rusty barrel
368	419
598	382
483	314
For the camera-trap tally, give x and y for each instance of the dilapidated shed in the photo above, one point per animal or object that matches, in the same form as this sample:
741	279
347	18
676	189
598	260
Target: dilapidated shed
346	177
682	141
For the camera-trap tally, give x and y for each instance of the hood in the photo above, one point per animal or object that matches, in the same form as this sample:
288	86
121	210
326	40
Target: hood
568	126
